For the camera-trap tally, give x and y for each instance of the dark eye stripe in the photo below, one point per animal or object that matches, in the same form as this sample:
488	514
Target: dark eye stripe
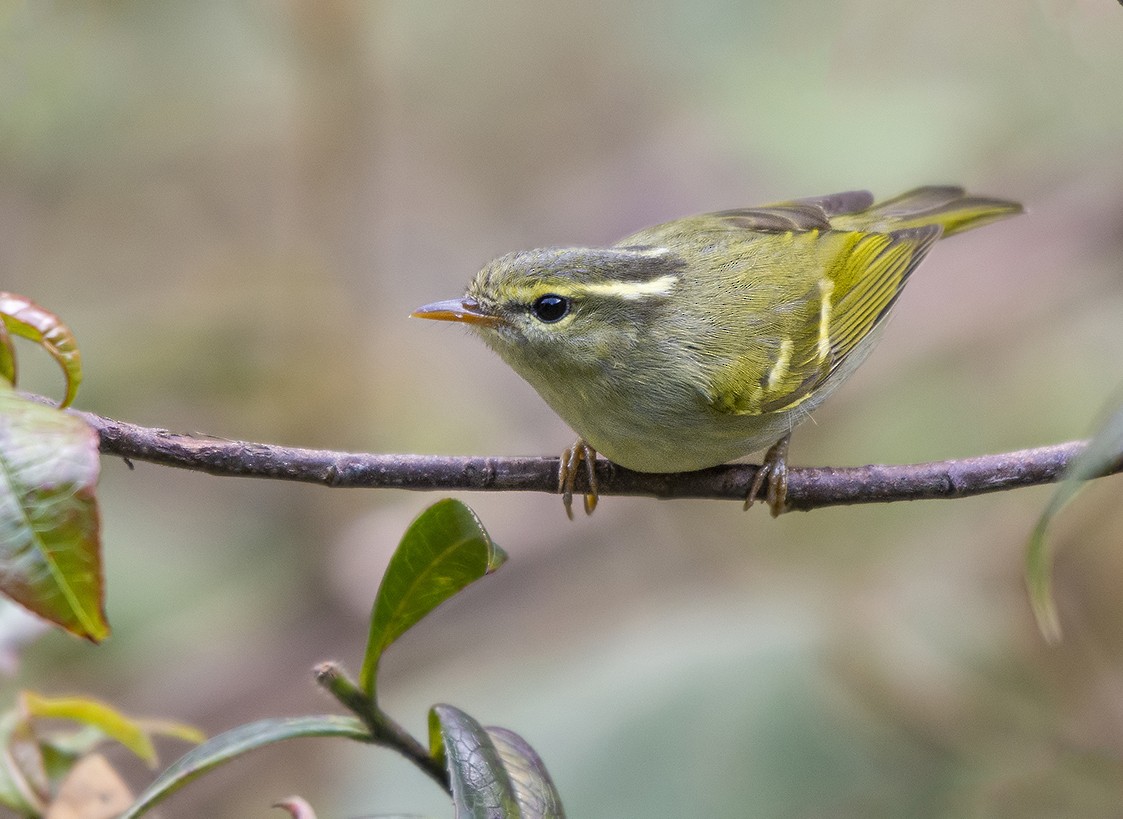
550	308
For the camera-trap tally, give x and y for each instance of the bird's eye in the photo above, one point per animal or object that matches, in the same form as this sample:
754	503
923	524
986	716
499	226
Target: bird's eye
550	308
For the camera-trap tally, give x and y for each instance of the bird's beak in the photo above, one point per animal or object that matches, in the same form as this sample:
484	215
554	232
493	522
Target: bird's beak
466	310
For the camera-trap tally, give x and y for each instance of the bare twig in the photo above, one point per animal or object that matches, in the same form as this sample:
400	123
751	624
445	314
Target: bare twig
808	487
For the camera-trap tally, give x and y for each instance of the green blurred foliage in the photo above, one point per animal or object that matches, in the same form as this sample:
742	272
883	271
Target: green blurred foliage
236	205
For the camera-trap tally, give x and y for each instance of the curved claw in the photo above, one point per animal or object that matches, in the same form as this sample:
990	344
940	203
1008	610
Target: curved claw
774	470
567	476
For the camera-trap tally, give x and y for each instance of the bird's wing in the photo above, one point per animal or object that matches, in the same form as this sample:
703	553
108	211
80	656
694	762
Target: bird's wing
845	285
813	213
798	215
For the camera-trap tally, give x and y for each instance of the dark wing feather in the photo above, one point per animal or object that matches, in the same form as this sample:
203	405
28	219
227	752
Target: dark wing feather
813	213
835	204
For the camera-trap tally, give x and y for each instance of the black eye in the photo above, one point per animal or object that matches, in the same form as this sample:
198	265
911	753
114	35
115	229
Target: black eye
550	308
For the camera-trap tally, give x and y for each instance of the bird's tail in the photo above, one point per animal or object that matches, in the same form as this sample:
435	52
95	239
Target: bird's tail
946	206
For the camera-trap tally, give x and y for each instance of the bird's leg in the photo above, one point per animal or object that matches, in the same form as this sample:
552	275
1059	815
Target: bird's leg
567	475
774	469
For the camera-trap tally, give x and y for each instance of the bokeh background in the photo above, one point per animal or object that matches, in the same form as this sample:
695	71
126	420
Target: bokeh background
236	205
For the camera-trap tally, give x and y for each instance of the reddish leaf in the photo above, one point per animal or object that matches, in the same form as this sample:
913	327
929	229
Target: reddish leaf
297	807
23	317
50	551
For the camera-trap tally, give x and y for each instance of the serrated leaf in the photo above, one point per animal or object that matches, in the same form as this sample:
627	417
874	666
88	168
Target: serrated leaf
238	741
1101	456
481	787
50	550
25	318
445	549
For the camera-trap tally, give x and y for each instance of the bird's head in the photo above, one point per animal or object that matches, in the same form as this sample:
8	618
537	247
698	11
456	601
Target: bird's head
563	308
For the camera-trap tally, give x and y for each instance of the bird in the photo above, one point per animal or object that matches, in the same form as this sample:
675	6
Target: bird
704	339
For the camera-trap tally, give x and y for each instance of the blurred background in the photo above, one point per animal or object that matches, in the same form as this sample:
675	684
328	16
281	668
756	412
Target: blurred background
236	205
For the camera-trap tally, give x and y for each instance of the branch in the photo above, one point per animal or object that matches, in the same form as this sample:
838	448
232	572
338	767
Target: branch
808	487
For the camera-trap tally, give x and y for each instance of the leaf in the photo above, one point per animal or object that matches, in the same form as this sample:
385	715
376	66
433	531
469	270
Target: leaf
61	750
493	771
23	317
23	772
110	722
1101	456
91	790
50	551
7	355
238	741
297	807
481	788
534	789
445	549
36	763
172	729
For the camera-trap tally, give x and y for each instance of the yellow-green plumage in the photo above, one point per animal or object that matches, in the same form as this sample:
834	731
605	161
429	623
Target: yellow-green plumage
701	340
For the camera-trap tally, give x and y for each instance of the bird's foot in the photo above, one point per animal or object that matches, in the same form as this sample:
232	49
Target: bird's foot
567	476
774	471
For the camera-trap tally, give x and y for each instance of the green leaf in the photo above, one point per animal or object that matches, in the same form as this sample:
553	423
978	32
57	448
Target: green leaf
50	551
481	788
23	317
493	771
534	789
444	549
7	355
238	741
62	750
1100	457
173	730
110	722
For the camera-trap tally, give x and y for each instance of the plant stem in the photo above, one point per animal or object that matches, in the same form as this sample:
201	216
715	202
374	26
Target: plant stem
384	730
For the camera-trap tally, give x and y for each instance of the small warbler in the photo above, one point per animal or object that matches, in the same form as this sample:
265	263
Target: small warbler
701	340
